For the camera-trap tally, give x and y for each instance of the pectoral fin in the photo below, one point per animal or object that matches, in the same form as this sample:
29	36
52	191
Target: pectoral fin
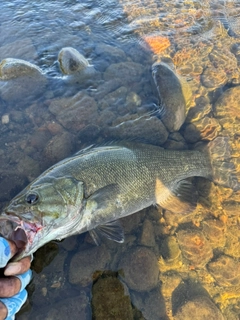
181	198
105	194
111	230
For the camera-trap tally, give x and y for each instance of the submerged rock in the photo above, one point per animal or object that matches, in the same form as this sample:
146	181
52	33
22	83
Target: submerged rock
150	129
174	93
195	247
148	236
71	61
77	307
85	263
74	113
20	81
12	68
200	308
203	129
226	110
140	269
215	232
127	72
226	271
151	304
110	300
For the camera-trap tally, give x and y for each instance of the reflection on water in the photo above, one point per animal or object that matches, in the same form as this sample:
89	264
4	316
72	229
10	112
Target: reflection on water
48	117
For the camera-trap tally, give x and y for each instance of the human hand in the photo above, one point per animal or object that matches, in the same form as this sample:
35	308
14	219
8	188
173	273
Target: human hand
12	288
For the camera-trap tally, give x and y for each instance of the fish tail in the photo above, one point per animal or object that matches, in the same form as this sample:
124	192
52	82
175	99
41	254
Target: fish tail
221	160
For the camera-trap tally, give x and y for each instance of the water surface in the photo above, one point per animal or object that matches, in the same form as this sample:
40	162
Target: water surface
122	39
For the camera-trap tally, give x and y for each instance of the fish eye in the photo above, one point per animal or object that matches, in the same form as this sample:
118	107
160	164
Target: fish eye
32	198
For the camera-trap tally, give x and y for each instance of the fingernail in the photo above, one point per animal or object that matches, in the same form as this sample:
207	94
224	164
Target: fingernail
12	269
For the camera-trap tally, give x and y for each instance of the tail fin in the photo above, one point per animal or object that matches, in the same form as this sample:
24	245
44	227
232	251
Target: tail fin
224	172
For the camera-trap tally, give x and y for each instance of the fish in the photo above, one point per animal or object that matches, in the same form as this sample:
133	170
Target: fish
174	93
94	188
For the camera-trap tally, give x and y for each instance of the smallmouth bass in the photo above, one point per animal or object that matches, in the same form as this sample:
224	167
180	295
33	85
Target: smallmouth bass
95	187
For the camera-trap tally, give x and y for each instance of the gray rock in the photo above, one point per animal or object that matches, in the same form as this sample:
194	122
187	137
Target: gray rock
76	308
110	300
200	308
85	263
114	99
204	129
146	128
20	81
110	53
148	236
72	61
225	270
59	147
14	68
126	72
74	113
151	305
140	269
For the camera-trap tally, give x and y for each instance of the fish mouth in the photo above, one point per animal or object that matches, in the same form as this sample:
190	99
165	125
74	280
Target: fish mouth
21	232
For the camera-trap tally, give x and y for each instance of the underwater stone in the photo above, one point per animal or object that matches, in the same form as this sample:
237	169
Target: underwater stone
151	129
204	129
140	269
225	270
148	236
126	72
213	78
20	81
200	308
110	300
195	247
12	68
74	113
215	232
85	263
72	61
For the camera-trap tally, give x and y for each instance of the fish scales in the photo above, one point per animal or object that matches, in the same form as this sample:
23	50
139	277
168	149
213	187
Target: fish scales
134	170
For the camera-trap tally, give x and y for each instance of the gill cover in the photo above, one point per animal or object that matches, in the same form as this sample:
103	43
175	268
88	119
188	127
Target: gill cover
47	200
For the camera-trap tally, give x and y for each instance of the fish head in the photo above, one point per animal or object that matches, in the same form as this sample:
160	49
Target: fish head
43	211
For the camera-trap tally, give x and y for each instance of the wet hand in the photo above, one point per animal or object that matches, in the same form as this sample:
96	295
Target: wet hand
12	288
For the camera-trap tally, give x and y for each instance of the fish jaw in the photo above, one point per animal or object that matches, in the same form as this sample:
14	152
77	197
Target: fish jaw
25	234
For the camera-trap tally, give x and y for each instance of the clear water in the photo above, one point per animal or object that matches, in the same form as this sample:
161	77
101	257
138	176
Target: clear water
33	137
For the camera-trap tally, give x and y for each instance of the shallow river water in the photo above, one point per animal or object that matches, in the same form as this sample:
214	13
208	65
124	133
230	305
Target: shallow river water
171	266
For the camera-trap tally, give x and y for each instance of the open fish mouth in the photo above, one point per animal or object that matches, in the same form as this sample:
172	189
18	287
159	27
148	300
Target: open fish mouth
21	232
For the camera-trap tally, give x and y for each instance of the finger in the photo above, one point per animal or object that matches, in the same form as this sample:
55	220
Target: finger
7	250
3	311
10	286
14	304
21	266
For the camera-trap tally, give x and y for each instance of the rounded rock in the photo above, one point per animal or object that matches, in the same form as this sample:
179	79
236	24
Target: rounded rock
107	305
14	68
85	263
140	269
195	247
200	308
225	270
215	232
71	61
